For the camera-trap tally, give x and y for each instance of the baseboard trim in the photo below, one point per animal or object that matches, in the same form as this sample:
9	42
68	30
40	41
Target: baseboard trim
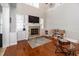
13	43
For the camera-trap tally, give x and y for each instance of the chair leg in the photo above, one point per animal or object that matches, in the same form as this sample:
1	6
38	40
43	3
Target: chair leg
58	50
73	53
61	50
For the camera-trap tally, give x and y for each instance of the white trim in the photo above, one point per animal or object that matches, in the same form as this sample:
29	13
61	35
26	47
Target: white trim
13	43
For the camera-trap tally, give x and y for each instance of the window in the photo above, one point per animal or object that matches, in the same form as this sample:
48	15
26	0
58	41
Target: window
33	4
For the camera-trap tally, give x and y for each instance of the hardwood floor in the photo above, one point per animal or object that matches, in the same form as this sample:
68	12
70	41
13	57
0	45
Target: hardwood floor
24	49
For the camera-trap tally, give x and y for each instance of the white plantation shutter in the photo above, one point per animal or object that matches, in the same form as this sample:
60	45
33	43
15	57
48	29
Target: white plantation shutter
19	22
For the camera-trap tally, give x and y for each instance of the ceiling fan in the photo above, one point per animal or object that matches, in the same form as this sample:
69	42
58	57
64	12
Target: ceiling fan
53	5
50	5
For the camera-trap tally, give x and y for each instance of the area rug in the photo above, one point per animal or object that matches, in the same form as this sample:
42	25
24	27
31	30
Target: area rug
2	50
38	41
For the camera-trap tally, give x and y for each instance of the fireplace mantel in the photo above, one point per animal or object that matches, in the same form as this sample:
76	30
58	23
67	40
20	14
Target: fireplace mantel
32	24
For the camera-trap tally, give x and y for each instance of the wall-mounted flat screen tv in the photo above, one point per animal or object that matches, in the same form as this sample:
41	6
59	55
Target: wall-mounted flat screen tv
33	19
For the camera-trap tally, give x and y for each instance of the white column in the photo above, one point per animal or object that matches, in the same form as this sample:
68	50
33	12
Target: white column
13	33
26	27
42	23
5	17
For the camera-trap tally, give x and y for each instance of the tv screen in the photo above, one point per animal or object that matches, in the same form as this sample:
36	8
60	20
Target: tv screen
33	19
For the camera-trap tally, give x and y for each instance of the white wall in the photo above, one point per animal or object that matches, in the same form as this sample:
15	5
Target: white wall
13	19
21	35
12	38
9	30
0	19
25	10
65	16
9	36
19	30
0	22
12	33
29	10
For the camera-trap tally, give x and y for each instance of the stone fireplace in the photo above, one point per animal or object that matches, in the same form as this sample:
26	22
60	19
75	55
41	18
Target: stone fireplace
34	31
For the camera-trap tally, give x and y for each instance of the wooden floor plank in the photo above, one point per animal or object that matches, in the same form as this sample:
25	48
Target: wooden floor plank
24	49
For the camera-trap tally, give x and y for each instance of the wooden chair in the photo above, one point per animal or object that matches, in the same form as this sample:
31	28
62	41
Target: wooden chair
56	32
60	48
